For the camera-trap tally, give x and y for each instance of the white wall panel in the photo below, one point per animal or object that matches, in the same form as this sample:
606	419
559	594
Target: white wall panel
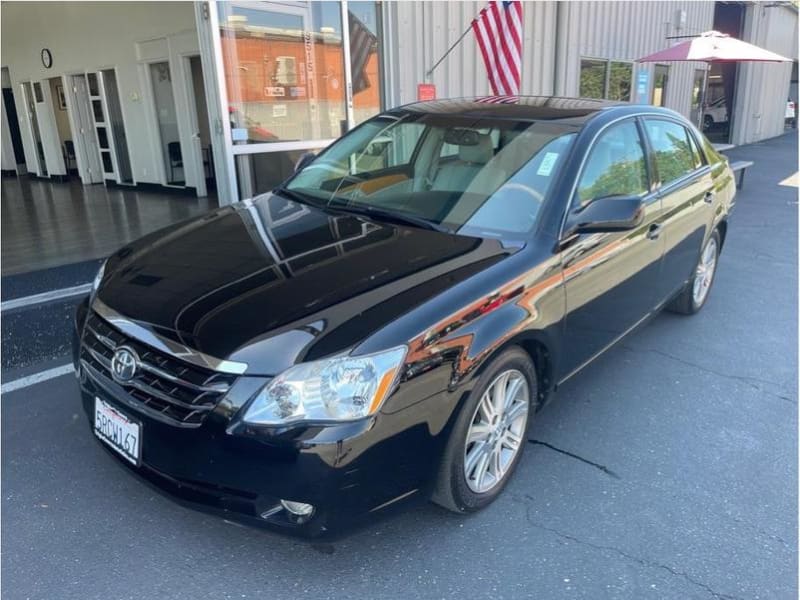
763	88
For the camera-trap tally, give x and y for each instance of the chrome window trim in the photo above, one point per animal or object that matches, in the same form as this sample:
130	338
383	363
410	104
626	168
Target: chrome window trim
165	345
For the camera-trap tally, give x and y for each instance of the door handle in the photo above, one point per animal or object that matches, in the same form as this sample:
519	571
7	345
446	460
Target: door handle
708	197
654	231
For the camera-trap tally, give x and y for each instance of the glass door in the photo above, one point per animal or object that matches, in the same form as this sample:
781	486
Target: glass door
285	85
99	118
119	141
167	118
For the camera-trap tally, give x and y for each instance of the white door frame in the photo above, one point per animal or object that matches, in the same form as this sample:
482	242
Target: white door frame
157	143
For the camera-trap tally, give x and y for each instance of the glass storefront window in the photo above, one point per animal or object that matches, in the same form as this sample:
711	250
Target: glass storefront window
284	70
364	22
263	172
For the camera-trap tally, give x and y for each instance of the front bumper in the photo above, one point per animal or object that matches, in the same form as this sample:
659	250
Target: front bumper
348	472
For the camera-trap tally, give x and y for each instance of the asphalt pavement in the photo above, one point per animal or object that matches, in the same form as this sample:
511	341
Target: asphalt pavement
666	469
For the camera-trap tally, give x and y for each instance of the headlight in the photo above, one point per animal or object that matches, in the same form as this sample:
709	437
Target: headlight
97	279
336	389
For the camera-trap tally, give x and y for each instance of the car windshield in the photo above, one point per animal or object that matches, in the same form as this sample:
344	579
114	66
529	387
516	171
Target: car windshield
473	176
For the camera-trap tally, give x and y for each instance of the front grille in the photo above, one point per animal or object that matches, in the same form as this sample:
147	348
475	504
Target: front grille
169	388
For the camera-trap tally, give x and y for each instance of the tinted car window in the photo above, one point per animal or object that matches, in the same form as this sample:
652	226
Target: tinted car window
670	142
616	165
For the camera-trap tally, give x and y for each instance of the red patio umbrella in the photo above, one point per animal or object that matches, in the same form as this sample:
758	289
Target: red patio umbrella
713	46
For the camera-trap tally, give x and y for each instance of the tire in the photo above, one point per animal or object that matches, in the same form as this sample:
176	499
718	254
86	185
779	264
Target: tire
456	491
708	122
688	302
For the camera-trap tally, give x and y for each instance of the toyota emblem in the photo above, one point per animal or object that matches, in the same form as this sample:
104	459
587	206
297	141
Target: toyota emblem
123	364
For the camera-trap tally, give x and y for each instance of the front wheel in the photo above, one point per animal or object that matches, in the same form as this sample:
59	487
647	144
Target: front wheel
694	295
489	435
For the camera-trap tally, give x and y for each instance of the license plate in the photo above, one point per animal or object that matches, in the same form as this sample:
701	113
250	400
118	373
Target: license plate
118	431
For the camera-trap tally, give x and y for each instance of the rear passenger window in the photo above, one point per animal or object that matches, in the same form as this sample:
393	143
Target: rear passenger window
616	165
673	150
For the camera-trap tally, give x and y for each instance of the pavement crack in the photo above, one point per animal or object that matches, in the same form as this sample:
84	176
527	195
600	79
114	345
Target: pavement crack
747	380
645	562
591	463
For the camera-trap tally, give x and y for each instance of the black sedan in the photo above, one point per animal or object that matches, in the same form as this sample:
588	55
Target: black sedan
385	325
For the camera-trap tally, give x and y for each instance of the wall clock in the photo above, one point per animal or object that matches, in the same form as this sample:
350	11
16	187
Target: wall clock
47	58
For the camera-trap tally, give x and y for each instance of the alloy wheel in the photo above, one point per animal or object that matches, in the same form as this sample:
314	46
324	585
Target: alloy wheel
704	274
496	432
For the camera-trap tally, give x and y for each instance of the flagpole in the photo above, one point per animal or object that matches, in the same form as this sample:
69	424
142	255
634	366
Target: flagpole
449	50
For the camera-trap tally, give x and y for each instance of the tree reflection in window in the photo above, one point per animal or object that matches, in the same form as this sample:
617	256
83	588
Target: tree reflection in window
671	147
616	165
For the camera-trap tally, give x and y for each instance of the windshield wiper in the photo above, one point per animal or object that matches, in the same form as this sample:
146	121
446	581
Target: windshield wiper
298	197
393	217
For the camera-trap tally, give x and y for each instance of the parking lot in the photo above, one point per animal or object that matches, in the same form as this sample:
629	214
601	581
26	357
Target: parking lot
666	469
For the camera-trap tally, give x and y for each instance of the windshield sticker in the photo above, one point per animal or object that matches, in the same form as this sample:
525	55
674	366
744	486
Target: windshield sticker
548	162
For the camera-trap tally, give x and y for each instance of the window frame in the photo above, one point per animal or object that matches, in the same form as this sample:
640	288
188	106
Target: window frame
607	75
575	203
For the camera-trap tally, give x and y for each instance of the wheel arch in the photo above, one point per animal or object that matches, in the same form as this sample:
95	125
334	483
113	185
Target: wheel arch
540	349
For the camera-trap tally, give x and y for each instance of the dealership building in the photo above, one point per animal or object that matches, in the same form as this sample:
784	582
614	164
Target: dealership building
221	99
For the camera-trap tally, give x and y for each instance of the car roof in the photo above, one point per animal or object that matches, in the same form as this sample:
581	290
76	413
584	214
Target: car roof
527	108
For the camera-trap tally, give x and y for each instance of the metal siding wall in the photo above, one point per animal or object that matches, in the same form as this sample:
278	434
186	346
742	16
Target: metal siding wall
599	29
627	31
762	89
425	30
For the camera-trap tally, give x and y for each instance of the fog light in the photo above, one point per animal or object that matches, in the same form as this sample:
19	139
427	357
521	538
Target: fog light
298	509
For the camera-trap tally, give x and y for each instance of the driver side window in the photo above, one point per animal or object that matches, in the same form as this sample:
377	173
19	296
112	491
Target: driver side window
616	165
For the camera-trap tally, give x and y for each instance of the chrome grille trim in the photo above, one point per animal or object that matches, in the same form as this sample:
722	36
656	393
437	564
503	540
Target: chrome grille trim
217	388
165	345
173	390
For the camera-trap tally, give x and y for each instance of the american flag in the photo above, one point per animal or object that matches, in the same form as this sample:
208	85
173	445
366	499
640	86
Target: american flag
498	29
363	43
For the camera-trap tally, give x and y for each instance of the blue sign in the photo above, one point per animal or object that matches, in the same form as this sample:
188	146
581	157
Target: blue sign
643	86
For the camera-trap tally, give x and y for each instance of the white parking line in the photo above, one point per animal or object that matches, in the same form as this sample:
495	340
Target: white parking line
24	382
35	299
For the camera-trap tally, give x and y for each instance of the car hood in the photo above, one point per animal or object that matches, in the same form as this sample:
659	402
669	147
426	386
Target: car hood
272	282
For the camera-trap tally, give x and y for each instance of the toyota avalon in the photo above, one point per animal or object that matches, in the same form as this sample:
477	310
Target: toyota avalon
384	326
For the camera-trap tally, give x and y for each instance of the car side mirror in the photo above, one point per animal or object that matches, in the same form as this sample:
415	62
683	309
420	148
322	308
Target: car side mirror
609	213
303	161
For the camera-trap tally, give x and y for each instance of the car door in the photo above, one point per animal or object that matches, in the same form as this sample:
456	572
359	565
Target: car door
685	185
610	278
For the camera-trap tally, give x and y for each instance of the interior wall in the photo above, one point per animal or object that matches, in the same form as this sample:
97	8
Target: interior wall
89	36
62	117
